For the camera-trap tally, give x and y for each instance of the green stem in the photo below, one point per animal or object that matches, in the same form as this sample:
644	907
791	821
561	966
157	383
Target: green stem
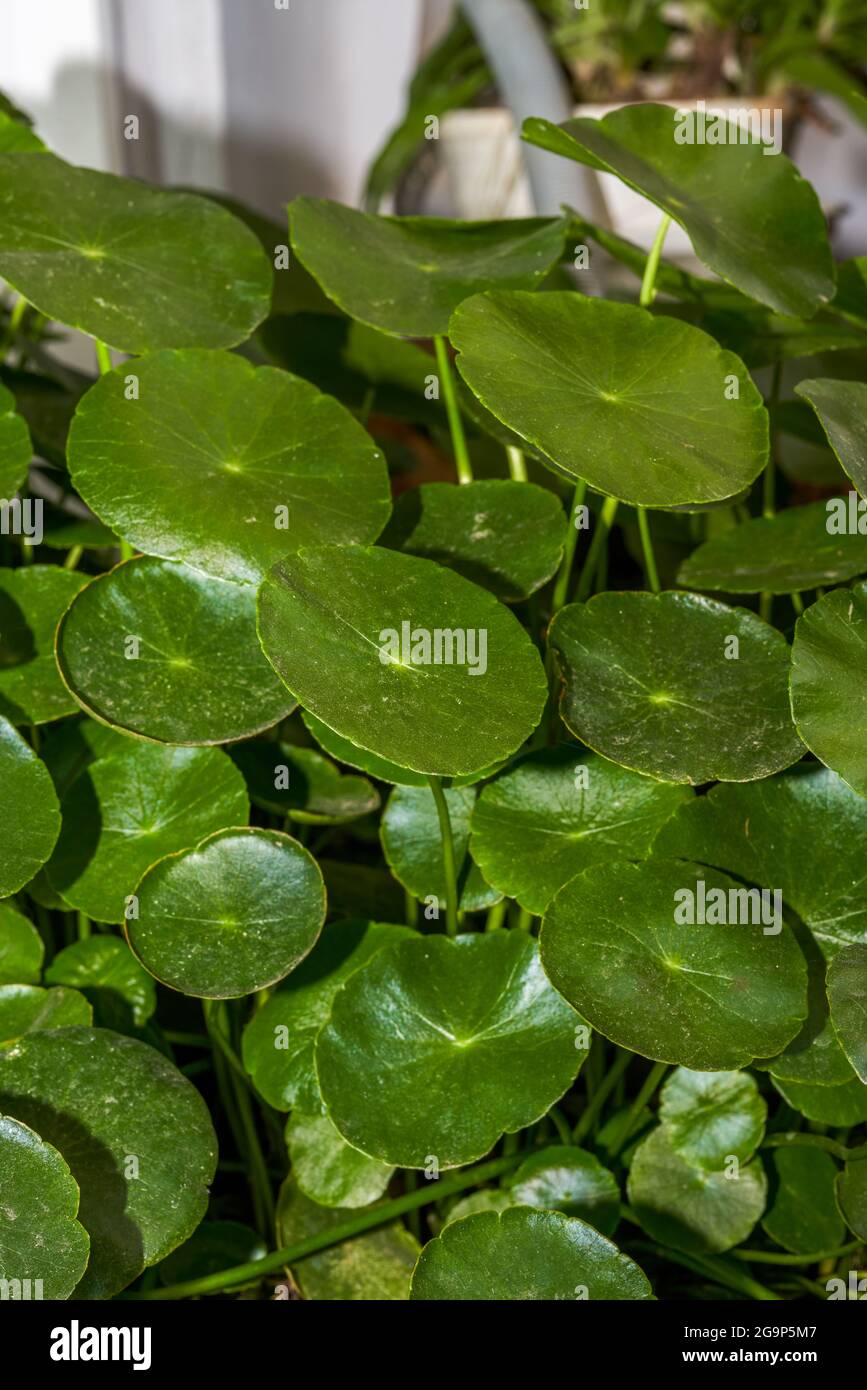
449	867
558	1120
648	293
600	536
564	574
601	1094
769	1257
103	356
72	559
17	313
707	1266
652	1080
260	1186
126	551
496	915
456	424
651	573
525	919
797	603
84	927
813	1141
517	464
365	1220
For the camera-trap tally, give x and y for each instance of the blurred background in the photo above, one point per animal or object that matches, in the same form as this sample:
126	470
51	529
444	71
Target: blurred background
411	105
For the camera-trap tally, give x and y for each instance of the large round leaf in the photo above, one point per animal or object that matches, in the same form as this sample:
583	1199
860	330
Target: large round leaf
301	784
829	682
347	752
225	465
376	1266
767	832
32	601
750	215
122	993
412	844
327	1169
643	408
29	813
127	811
82	247
847	997
405	275
618	944
777	555
278	1041
506	536
438	1046
840	1106
21	948
690	1208
355	634
170	654
524	1255
676	686
842	410
15	448
709	1116
232	916
40	1239
549	817
571	1180
136	1134
802	1213
27	1008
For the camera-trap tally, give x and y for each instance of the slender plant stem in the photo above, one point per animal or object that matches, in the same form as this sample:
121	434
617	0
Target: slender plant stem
103	356
449	866
769	484
517	463
73	557
712	1269
769	1257
456	424
84	927
813	1141
648	293
564	574
216	1021
651	573
652	1080
601	1094
365	1220
559	1122
600	536
410	909
797	603
19	308
525	919
496	915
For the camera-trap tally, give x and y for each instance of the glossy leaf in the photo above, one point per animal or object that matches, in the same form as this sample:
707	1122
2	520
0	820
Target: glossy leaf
802	1213
326	619
41	1242
376	1266
327	1169
127	811
101	1099
750	215
852	1196
406	275
105	970
569	1180
657	683
160	650
317	792
840	1106
29	812
521	1254
80	245
708	996
15	447
412	844
643	408
348	752
779	555
412	1060
558	811
842	407
230	917
226	466
710	1116
21	948
27	1008
689	1208
828	682
847	997
32	601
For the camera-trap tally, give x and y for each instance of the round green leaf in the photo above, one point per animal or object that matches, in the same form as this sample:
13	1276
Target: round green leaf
301	784
376	1266
658	683
15	448
412	844
802	1213
348	752
232	916
767	832
690	1208
618	944
327	1169
485	1199
709	1116
569	1180
852	1196
828	683
127	811
170	654
814	1057
505	536
841	1106
26	1008
277	1046
842	410
337	624
777	555
40	1239
80	245
405	275
21	949
32	601
558	811
749	214
103	1101
640	407
29	813
437	1046
847	997
123	994
213	1247
225	466
522	1255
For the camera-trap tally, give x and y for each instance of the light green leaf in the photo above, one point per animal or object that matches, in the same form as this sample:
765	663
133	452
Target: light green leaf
376	1266
847	998
21	948
777	555
828	683
327	1169
40	1239
842	409
32	601
412	845
26	1008
29	812
16	137
107	973
802	1213
709	1116
15	447
569	1180
318	793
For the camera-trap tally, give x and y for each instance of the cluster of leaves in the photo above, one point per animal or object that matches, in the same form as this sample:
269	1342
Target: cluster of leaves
257	864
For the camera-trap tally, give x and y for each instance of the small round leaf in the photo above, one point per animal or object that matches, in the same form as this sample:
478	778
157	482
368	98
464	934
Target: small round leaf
841	1106
327	1169
777	555
32	602
21	949
847	997
711	1116
29	812
43	1249
123	994
569	1180
802	1213
301	784
828	682
27	1008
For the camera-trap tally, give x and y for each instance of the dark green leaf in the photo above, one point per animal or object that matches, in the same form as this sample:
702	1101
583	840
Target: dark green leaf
852	1196
26	1008
376	1266
841	1106
847	997
29	813
32	601
21	948
829	682
778	555
802	1213
40	1239
842	407
569	1180
301	784
15	447
412	844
